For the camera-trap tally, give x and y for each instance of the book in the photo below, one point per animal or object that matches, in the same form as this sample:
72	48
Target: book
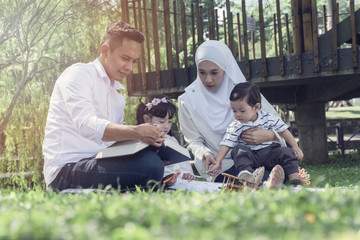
170	152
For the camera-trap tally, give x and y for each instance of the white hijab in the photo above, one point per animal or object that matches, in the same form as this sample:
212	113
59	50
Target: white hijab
214	107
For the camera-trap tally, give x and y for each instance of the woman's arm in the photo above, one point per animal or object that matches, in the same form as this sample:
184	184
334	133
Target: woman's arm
190	131
255	136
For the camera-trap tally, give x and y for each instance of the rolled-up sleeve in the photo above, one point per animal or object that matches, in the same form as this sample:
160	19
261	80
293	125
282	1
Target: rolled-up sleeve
77	89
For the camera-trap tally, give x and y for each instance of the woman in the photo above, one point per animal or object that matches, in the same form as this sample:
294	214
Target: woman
205	111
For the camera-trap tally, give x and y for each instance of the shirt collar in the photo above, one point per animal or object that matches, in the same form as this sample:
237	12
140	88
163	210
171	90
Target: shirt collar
101	71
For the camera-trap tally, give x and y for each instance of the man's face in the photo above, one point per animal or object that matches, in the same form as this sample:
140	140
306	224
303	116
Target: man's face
121	61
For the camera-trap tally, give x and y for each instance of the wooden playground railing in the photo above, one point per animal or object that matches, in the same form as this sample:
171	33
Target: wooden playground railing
173	24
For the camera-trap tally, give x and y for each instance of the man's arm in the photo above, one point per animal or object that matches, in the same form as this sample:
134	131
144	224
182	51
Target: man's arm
146	133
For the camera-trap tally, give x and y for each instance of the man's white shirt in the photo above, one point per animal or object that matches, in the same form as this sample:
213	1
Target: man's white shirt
82	104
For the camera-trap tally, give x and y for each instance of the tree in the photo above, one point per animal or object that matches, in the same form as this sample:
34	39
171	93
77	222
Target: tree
39	39
28	37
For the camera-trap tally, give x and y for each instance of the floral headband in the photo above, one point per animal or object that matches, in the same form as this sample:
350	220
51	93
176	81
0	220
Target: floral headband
156	102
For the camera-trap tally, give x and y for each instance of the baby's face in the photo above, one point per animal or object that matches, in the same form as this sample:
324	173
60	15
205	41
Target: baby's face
243	112
165	123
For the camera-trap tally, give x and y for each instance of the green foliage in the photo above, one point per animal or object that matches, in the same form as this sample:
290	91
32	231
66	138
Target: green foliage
39	40
130	110
333	214
343	113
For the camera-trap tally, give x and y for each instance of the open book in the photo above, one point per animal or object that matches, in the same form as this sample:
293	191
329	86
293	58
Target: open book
170	152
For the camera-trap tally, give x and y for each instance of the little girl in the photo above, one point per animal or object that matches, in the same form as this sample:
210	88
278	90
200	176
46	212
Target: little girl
159	110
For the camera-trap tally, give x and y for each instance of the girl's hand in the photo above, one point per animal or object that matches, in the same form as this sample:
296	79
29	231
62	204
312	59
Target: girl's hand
298	153
188	176
171	182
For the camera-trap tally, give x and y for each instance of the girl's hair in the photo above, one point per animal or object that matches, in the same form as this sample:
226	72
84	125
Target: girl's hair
155	106
246	90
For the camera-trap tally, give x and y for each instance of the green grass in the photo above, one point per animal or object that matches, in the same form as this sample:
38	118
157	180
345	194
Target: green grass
343	112
341	171
265	214
333	214
330	214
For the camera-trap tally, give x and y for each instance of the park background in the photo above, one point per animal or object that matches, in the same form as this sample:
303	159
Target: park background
38	40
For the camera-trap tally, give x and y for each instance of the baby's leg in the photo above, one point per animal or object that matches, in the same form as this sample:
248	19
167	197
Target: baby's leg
285	157
243	158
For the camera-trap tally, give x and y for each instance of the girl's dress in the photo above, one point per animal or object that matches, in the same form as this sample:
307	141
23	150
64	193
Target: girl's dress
183	167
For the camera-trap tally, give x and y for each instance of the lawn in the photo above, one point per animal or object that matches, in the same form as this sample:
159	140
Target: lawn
265	214
343	112
285	214
333	212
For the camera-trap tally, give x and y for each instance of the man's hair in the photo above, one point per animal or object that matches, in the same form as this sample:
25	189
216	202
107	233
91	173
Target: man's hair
246	90
118	31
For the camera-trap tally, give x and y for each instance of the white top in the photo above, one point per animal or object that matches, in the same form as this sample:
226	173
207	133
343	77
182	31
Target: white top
204	115
82	104
264	120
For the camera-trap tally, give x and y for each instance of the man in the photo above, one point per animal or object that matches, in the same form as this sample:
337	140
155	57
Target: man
86	115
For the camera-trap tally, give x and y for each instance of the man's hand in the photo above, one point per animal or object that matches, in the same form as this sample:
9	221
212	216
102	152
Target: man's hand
150	134
255	136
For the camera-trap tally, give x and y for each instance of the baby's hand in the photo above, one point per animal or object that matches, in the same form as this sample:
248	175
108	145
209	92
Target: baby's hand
215	168
298	153
188	176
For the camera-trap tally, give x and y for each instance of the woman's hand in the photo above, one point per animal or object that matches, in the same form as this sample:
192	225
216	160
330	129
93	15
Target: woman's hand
209	162
255	136
215	168
209	159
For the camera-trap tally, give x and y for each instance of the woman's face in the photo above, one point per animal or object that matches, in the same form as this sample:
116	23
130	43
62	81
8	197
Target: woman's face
211	75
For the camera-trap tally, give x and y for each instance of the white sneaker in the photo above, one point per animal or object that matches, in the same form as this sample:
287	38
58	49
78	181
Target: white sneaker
258	175
276	178
246	176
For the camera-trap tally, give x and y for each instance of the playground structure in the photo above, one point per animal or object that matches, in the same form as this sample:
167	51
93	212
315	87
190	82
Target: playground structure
308	69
